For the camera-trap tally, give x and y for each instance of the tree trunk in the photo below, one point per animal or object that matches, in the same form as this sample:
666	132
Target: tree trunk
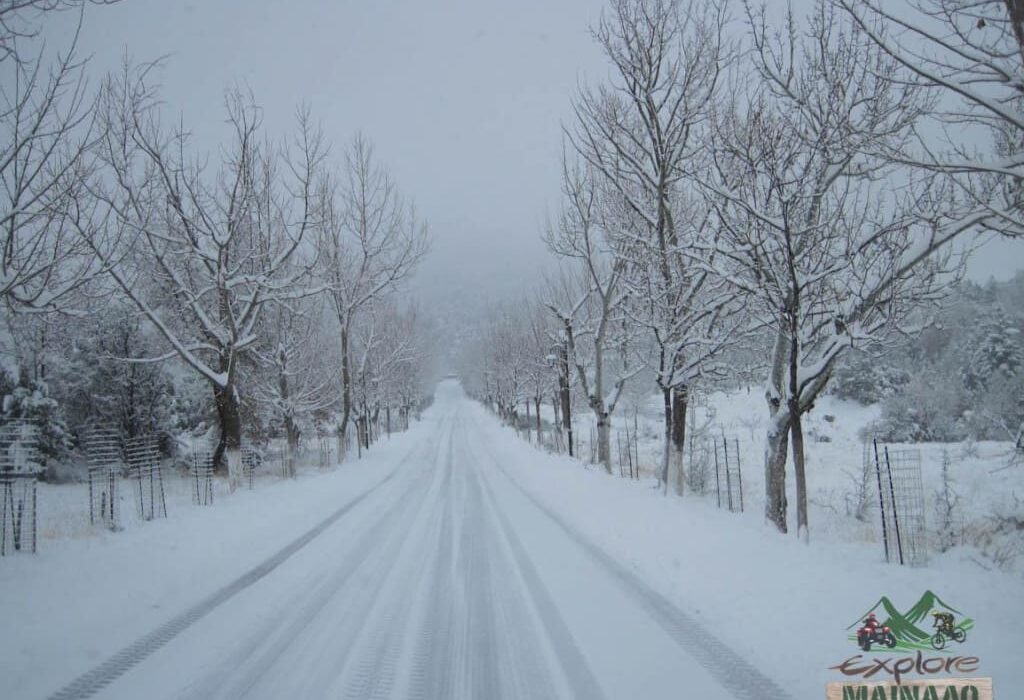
556	427
346	386
230	444
775	475
361	432
666	396
604	441
536	405
1015	8
292	432
797	431
387	418
777	440
680	399
566	396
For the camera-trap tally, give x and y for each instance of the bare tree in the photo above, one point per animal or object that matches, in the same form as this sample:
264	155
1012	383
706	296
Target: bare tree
644	134
972	52
564	297
510	360
218	248
507	360
295	380
388	357
401	361
541	349
370	242
586	235
21	20
47	118
830	241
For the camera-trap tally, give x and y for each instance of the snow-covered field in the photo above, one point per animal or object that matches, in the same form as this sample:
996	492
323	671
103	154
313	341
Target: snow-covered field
982	473
768	596
458	561
88	592
64	508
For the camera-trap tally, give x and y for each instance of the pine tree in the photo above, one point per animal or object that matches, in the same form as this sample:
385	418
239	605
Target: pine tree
31	401
997	356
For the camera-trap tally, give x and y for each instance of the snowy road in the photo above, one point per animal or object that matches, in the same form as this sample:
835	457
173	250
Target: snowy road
444	580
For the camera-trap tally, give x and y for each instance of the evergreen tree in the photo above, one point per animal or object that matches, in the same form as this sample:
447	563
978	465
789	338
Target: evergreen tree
31	401
997	353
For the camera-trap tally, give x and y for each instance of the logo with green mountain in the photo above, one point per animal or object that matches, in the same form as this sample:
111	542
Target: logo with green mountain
929	624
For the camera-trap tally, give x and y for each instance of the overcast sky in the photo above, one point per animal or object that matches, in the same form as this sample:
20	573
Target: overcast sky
463	99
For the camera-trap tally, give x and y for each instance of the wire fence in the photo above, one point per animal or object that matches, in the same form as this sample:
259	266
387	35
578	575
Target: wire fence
707	465
624	446
143	455
201	471
20	468
728	474
889	481
901	504
103	447
135	472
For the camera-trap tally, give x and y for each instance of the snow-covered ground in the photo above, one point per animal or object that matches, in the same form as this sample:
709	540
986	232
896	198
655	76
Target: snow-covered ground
89	592
981	473
63	509
459	561
768	596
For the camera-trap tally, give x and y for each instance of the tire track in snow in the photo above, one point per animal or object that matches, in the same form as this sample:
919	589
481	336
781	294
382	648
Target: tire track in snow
253	661
99	677
378	668
480	653
578	673
431	673
530	674
731	670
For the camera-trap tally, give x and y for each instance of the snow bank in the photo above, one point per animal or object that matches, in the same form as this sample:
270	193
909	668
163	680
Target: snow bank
774	600
835	457
88	594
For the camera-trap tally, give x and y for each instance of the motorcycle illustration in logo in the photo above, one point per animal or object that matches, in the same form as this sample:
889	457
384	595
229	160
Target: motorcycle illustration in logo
946	628
885	627
908	666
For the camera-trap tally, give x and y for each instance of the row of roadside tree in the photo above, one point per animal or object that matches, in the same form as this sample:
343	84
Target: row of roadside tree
758	187
151	285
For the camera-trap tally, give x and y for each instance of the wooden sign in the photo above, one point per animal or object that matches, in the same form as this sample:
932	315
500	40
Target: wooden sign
937	689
